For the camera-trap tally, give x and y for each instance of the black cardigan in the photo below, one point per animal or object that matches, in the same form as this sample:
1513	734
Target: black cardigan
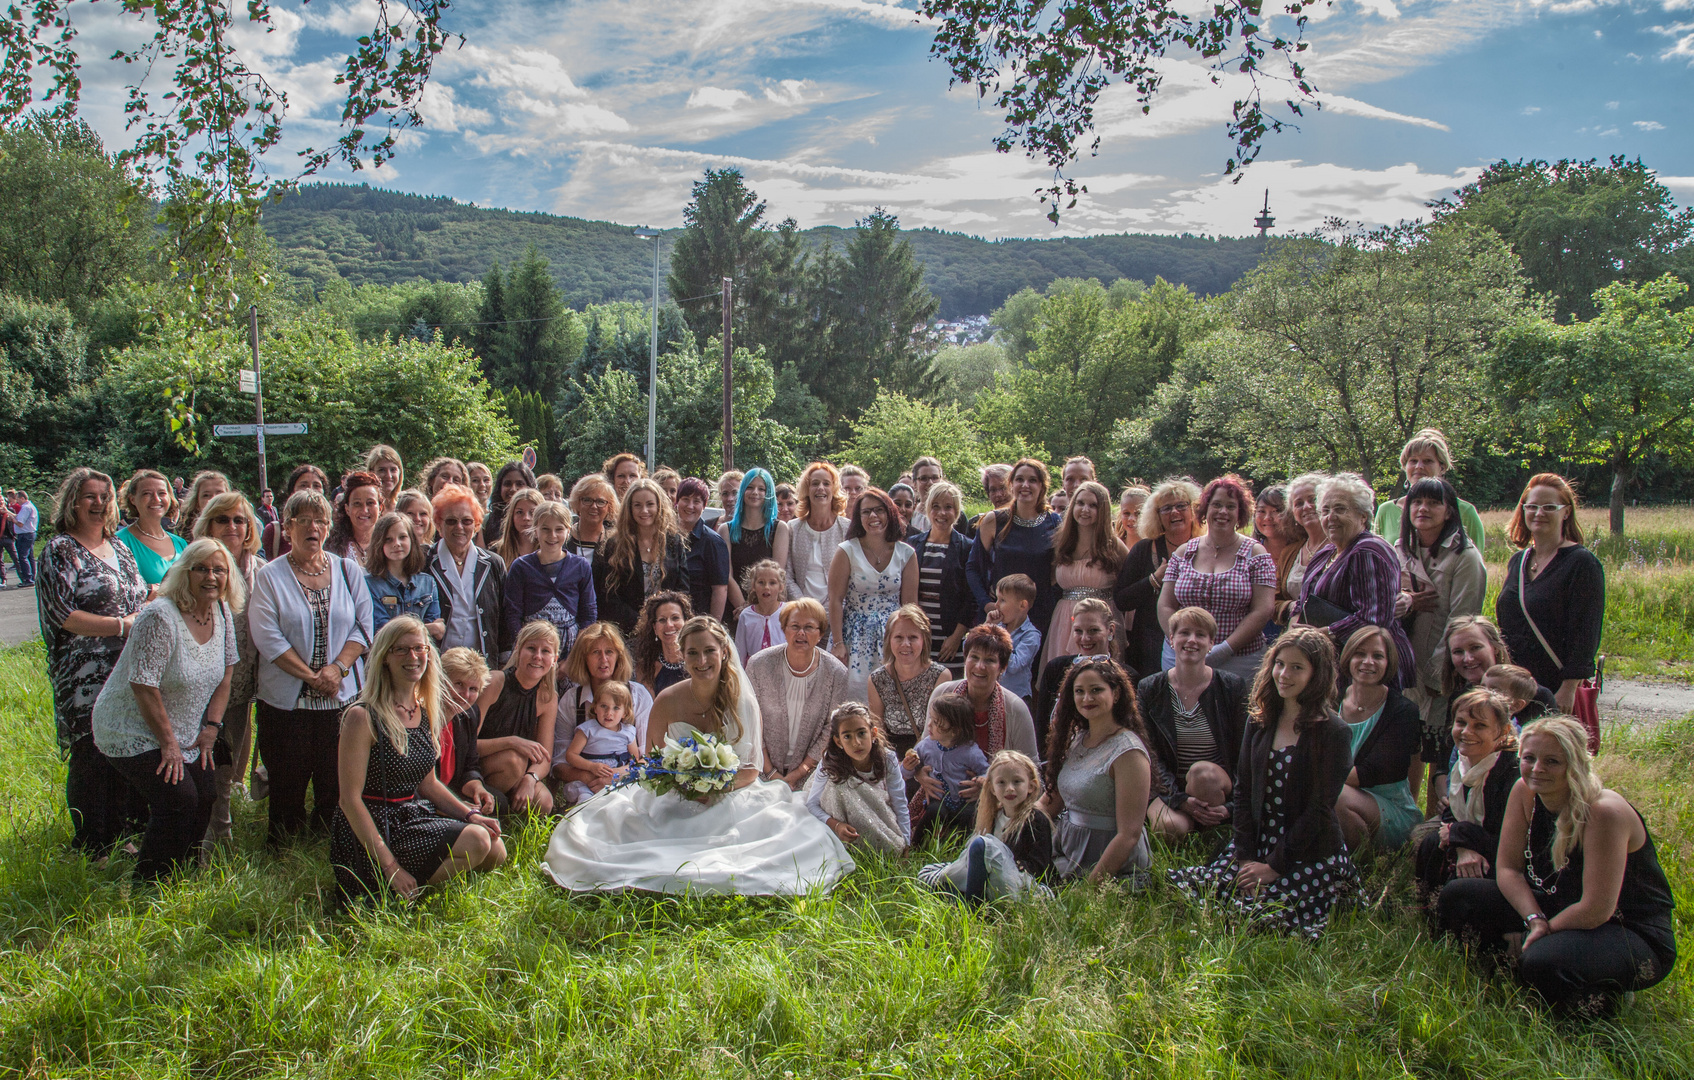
1224	704
1032	847
1136	594
1568	601
622	605
1322	759
490	593
958	604
1386	754
467	762
1484	839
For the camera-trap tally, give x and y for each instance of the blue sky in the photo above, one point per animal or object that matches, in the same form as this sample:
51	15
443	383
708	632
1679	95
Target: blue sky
611	108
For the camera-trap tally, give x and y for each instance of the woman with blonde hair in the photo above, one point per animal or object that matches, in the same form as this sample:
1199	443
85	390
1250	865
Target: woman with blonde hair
1425	456
383	462
595	505
396	823
597	657
754	839
230	520
1167	523
153	720
1087	555
519	708
416	505
1577	876
796	688
1127	526
817	530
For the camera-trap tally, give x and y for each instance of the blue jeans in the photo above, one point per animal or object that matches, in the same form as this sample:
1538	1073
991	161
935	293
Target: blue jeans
23	557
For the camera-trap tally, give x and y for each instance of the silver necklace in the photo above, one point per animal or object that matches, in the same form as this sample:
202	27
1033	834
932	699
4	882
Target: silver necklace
1027	523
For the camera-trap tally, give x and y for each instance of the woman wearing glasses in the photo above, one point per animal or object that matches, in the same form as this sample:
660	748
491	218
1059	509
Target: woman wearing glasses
1167	523
797	688
873	573
1553	600
229	519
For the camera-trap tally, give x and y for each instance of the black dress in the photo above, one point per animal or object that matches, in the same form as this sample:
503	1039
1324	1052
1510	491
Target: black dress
1137	595
513	712
417	834
1568	603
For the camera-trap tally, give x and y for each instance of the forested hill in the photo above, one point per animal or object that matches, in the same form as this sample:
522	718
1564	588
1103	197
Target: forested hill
368	235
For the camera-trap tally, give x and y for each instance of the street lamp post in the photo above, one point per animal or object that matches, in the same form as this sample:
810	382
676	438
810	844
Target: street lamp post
653	359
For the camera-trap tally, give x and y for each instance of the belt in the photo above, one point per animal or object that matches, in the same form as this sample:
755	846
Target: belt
1088	594
386	799
1090	821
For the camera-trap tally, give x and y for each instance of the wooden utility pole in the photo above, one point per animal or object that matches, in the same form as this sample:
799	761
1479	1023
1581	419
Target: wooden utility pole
258	395
728	382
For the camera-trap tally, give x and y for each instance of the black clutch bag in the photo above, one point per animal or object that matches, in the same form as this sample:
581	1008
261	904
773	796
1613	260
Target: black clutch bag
1321	613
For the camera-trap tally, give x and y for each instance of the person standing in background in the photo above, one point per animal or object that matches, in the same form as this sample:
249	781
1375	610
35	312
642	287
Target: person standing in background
27	523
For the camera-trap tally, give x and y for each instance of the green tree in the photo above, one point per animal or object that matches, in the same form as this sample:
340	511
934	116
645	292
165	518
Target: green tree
617	338
1015	321
612	415
964	371
1579	225
73	224
532	418
442	308
1092	365
1611	390
543	338
725	235
489	341
884	307
1332	355
894	430
425	399
44	380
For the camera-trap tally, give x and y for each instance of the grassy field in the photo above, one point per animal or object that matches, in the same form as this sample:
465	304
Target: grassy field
239	972
1649	629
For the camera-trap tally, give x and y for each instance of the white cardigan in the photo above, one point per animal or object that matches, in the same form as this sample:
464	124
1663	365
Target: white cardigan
280	618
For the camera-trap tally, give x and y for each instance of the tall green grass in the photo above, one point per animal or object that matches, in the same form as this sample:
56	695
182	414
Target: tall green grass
241	971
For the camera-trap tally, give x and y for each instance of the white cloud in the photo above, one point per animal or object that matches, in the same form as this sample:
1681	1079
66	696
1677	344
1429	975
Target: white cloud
1612	105
1649	125
789	92
716	97
1531	110
1608	133
1683	47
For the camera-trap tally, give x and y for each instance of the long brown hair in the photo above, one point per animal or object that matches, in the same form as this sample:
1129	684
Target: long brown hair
1317	700
1107	551
506	546
648	649
836	764
1068	721
624	555
728	694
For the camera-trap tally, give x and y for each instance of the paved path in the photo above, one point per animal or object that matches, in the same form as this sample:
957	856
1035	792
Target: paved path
1621	699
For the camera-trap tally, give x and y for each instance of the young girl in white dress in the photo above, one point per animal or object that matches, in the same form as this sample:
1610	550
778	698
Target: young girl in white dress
858	789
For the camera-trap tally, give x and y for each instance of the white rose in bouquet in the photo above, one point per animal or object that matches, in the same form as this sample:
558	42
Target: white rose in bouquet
687	759
702	786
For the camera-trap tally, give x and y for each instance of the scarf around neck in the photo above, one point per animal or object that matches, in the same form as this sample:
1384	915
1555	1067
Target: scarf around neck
1465	788
996	726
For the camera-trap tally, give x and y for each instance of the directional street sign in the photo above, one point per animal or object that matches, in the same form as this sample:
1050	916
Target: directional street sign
226	431
247	381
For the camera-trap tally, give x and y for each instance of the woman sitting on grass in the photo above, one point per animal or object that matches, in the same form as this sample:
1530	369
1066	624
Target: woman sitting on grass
396	822
1468	833
1287	865
519	707
1376	803
1578	879
1098	775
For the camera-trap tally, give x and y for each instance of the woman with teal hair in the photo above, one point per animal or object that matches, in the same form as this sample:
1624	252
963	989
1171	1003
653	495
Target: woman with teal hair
753	533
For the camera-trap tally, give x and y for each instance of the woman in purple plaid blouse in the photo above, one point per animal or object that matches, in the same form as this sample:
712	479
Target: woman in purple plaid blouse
1356	575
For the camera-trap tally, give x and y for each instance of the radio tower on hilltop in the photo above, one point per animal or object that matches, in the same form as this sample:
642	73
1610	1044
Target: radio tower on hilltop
1264	222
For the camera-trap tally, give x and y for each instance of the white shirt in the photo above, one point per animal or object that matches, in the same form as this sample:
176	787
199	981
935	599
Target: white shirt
751	629
461	628
28	518
809	555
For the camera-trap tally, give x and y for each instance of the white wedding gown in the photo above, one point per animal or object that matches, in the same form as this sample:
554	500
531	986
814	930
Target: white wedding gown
757	841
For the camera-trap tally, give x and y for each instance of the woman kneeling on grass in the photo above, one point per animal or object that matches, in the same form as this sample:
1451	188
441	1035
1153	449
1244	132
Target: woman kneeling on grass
1463	841
1578	879
396	822
1287	865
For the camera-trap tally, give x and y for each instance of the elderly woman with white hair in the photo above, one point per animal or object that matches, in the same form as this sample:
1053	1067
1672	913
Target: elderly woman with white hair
161	709
1354	579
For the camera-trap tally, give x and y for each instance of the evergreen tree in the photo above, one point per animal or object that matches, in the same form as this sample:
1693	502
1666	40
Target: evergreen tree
725	235
489	337
542	339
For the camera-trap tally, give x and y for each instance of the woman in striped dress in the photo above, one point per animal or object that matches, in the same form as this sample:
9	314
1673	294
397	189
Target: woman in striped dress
943	591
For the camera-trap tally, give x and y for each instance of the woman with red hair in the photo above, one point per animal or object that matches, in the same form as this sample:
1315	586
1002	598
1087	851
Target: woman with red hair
470	580
1552	602
1230	575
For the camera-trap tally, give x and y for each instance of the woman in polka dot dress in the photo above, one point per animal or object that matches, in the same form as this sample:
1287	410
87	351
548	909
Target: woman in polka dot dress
396	822
1287	865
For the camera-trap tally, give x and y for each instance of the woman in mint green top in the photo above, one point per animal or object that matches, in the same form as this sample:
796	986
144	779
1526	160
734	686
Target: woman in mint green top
147	500
1376	801
1425	455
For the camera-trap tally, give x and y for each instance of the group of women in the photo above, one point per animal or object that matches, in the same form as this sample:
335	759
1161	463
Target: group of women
1280	670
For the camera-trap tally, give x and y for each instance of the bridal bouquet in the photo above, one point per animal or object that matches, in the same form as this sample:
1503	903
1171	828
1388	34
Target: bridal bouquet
693	766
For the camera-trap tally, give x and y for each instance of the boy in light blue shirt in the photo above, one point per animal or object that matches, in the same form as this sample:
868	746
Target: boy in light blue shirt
1015	594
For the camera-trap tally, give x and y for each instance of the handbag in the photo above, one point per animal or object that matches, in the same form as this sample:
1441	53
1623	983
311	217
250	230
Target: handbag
1586	705
1322	613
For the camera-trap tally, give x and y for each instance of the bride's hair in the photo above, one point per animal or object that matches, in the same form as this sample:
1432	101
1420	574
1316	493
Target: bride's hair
725	703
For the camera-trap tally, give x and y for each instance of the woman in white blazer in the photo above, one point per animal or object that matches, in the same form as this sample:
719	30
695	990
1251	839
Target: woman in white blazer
310	618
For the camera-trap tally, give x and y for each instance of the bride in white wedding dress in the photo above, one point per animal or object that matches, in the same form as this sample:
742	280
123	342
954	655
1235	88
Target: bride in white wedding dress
757	839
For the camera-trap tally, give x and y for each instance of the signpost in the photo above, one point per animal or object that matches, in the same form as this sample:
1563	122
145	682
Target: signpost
248	382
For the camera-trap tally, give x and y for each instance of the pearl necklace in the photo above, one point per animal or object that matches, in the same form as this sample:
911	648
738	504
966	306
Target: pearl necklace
811	667
139	531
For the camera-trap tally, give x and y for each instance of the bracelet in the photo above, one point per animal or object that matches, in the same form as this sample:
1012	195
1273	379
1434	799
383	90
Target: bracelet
1527	919
212	724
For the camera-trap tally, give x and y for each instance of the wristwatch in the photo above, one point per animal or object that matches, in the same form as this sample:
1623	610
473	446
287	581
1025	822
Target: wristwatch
1529	921
345	670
